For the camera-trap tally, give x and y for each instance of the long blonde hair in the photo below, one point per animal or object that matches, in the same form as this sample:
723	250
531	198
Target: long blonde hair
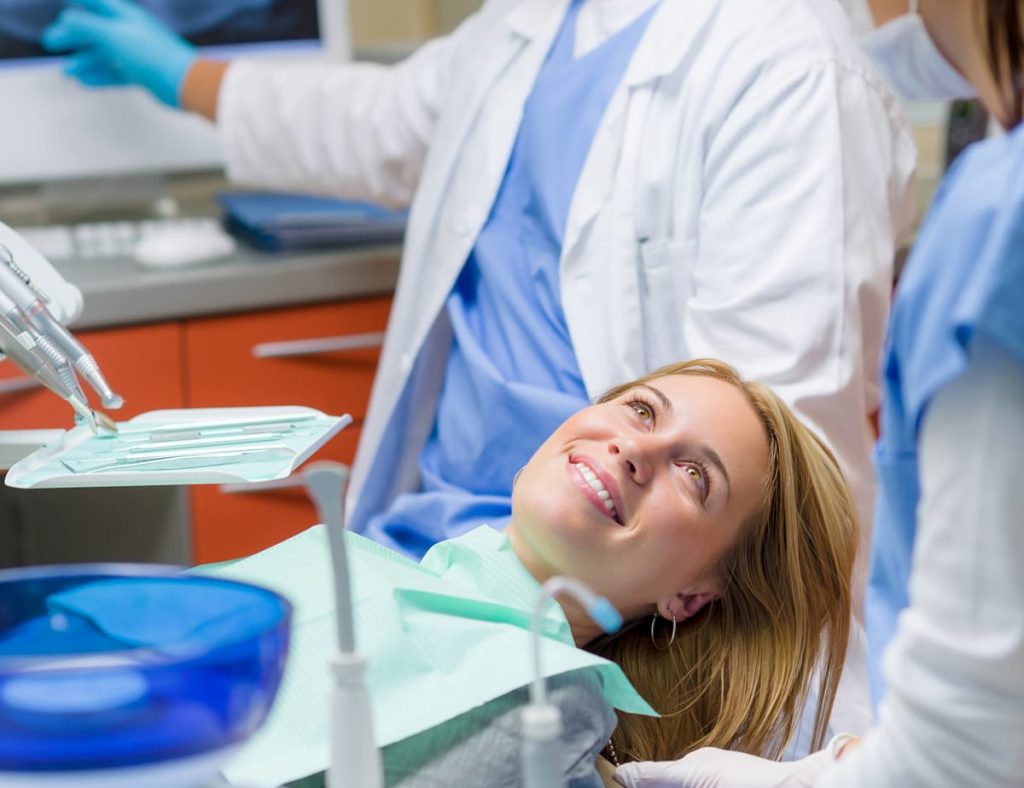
738	673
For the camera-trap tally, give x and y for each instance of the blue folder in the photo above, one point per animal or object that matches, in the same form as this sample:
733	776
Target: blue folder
277	221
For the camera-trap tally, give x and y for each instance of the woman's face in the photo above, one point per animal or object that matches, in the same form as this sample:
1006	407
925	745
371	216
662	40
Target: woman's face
641	497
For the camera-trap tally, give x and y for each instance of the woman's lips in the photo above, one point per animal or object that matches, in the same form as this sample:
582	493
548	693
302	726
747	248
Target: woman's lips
598	486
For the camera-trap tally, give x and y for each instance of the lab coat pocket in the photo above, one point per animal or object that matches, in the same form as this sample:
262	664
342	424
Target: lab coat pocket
666	285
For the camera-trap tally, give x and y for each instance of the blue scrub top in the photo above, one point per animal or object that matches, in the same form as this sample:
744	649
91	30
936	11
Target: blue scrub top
964	278
512	377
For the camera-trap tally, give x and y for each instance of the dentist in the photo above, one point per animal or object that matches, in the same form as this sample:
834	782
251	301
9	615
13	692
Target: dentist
598	187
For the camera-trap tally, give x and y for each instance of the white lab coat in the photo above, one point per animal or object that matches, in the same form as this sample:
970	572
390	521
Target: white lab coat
741	199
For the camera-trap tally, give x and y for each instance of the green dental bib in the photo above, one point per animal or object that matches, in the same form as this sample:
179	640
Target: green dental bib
441	637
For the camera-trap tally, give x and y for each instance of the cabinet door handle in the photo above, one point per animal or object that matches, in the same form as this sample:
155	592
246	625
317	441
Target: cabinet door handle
14	385
312	347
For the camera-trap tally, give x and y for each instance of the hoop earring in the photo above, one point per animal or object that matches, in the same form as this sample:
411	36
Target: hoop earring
516	477
671	640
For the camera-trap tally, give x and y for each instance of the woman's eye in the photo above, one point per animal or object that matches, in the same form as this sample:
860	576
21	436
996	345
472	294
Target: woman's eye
642	410
698	475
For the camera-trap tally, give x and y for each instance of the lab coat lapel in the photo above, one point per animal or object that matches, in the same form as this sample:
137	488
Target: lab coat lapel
464	170
669	40
472	147
666	43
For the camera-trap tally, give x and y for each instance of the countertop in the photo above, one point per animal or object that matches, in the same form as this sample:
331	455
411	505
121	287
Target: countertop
121	292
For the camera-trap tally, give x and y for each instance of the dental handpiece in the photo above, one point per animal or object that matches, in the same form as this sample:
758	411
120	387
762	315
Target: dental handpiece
30	338
16	284
23	351
77	354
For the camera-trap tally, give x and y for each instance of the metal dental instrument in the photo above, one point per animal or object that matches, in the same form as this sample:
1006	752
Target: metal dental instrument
226	425
17	285
236	439
170	462
237	433
197	451
152	454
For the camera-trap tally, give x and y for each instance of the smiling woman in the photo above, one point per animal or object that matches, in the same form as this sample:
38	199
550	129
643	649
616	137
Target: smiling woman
699	499
692	500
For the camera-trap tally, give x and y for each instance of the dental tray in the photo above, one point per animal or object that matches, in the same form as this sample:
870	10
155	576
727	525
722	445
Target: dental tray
182	447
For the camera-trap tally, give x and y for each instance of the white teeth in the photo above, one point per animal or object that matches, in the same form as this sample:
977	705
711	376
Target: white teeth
597	486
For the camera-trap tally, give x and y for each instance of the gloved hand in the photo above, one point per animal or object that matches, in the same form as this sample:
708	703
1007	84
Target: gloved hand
115	42
713	768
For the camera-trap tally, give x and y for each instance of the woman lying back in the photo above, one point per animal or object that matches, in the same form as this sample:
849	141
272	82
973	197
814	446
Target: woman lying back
717	525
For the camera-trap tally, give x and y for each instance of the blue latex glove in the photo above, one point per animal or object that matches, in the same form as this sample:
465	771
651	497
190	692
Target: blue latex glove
115	42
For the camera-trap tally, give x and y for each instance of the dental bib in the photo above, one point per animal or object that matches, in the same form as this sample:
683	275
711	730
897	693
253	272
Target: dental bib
441	637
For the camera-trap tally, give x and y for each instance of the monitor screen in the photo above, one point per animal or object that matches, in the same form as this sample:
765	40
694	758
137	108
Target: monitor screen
56	129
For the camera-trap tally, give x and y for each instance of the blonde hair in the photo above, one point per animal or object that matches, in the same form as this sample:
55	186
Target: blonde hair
738	674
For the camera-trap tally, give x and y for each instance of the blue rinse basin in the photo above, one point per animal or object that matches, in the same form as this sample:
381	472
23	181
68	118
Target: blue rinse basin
107	666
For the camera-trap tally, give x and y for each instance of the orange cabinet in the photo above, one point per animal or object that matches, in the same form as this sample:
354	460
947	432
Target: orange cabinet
143	364
297	356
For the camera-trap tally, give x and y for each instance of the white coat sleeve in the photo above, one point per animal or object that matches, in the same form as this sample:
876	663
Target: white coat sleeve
953	714
355	130
798	225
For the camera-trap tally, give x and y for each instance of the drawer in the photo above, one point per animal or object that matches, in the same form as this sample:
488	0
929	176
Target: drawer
232	525
143	364
301	363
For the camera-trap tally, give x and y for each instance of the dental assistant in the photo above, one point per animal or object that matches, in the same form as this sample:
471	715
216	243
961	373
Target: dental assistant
946	594
891	34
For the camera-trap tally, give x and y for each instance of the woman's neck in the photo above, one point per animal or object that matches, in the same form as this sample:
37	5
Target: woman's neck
583	628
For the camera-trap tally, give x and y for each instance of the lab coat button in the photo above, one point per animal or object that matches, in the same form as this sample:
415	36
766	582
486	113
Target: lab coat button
462	225
405	362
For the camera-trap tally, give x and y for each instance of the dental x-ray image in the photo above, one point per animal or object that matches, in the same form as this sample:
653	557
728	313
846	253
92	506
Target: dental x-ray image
203	22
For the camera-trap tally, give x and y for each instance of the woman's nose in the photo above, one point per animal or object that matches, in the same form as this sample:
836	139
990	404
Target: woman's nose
633	456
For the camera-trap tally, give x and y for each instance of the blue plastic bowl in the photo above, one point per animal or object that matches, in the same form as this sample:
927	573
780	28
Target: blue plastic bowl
107	666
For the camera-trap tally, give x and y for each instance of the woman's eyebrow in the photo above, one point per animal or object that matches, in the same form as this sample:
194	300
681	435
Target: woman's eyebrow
712	456
666	403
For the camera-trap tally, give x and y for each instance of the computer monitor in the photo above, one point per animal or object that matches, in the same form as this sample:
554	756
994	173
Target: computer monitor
55	129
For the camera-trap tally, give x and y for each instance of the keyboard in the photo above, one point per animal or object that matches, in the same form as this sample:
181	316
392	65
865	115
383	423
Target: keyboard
91	241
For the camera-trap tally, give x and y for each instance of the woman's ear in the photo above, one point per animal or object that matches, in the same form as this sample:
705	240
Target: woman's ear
683	606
